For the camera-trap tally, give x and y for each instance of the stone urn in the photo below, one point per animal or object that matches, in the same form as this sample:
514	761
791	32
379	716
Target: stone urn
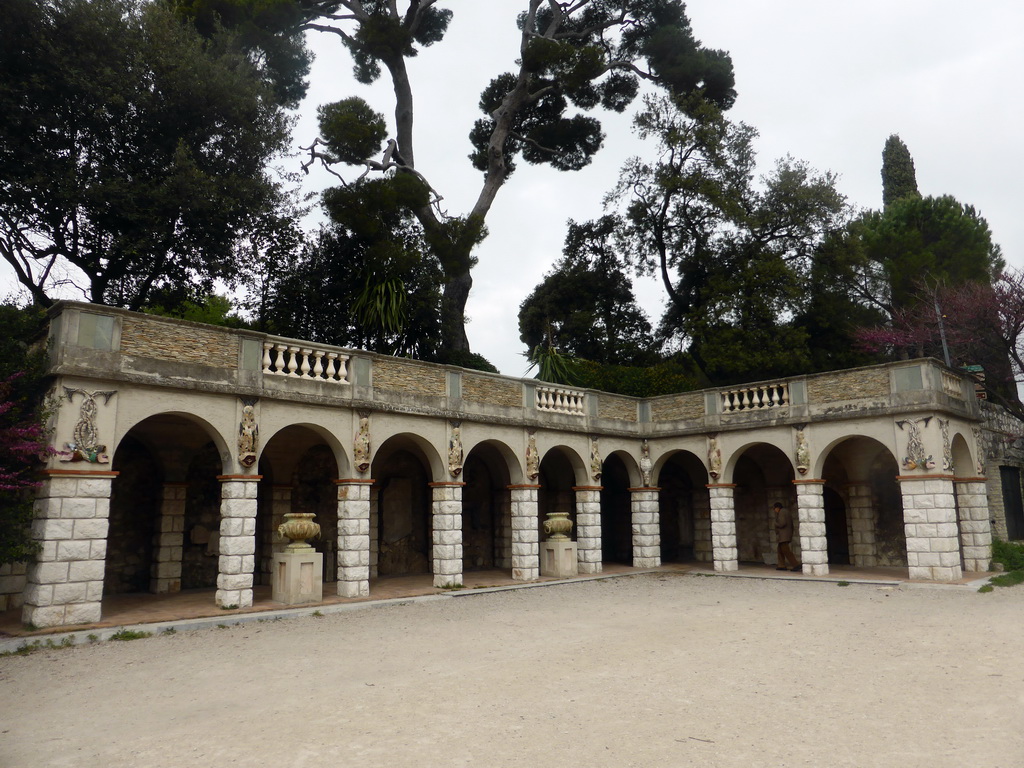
299	526
557	526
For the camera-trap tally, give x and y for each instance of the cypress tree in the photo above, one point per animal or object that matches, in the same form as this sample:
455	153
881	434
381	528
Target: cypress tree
898	177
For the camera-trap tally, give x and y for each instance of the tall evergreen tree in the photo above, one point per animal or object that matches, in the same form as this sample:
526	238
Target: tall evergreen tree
899	180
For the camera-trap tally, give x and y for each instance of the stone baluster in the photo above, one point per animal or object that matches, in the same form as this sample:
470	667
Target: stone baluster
267	346
646	527
65	583
525	533
588	528
280	362
929	517
723	528
975	528
304	368
354	537
293	362
318	368
810	503
237	560
447	534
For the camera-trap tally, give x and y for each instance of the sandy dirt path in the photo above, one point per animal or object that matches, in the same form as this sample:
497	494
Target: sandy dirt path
647	670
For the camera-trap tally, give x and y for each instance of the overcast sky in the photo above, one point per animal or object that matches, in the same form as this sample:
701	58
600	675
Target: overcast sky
825	82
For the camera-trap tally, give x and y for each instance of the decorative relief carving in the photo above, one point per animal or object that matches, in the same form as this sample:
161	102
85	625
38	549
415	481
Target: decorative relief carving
361	449
532	457
86	445
915	458
595	458
455	450
979	448
646	467
714	457
947	451
248	433
803	451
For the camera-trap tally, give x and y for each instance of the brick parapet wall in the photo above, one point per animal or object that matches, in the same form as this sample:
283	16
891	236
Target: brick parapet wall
159	339
492	390
687	406
612	407
848	385
402	376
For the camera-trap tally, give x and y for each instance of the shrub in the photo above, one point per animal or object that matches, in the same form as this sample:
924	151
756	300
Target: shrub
1009	553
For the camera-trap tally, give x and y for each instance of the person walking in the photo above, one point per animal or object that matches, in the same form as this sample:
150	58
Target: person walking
784	534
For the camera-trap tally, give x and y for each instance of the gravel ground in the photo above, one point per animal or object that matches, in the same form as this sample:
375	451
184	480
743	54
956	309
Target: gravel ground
647	670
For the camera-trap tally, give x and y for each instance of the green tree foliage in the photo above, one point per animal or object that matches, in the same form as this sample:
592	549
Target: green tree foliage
318	298
899	179
573	58
734	254
132	150
585	307
22	437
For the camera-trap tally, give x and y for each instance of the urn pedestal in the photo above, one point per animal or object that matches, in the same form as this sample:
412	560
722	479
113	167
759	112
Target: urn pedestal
298	570
558	552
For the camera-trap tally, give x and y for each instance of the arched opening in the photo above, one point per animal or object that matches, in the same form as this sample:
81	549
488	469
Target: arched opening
135	501
486	511
684	510
836	528
616	513
400	527
763	476
199	564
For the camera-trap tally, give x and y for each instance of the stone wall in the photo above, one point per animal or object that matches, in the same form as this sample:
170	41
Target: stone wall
848	385
402	376
492	390
611	407
689	406
12	584
161	339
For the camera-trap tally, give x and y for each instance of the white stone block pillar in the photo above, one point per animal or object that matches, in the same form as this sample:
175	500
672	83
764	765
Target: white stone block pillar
643	504
701	505
723	528
525	533
447	534
975	529
861	512
354	538
929	517
64	586
237	560
166	572
374	531
810	504
588	528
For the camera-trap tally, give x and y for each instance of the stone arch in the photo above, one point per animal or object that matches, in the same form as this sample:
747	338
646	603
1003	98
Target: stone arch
164	524
964	464
684	507
861	471
513	463
560	472
317	433
762	474
403	467
486	506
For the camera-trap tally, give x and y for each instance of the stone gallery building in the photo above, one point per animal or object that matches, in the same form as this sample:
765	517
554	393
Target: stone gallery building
181	447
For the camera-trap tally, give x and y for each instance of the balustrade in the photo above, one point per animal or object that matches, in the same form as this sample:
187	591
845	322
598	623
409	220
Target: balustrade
560	400
952	385
284	359
756	397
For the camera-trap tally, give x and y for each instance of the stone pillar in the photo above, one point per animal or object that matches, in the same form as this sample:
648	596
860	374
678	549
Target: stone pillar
929	517
237	540
65	583
643	505
810	504
525	533
374	530
447	534
975	529
354	537
861	511
701	505
723	528
588	527
166	571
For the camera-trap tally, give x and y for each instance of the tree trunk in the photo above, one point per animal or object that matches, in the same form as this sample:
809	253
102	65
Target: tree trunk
453	312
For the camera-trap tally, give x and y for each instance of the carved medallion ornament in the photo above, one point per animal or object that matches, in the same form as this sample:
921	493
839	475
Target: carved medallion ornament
86	445
915	458
455	450
248	433
803	451
595	459
532	457
361	449
947	451
646	467
714	457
